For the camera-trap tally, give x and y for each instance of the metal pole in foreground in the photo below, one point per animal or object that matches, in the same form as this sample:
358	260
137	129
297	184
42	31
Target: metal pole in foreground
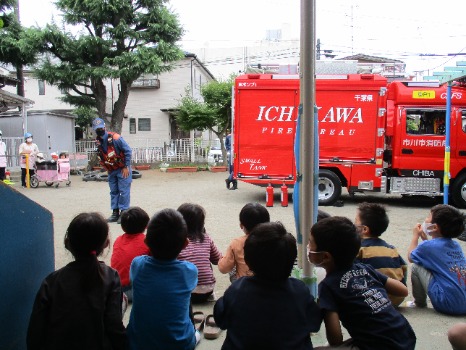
307	86
446	174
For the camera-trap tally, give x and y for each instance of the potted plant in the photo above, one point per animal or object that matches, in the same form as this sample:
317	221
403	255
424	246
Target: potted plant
142	167
164	167
217	168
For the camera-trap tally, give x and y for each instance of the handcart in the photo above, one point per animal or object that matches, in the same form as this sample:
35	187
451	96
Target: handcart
52	172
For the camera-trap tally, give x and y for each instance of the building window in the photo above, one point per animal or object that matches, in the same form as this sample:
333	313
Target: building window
132	125
41	87
143	124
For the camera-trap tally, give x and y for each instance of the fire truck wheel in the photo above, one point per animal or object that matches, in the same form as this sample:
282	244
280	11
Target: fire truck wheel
34	183
458	191
329	187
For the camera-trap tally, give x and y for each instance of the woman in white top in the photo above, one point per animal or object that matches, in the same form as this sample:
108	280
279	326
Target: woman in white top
27	148
2	158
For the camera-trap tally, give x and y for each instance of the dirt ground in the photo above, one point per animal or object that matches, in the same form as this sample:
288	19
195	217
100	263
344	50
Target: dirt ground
157	190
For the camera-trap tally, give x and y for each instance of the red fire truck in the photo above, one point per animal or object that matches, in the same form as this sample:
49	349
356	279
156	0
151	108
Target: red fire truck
374	136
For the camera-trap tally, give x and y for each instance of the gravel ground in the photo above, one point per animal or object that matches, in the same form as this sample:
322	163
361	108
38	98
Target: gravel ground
157	190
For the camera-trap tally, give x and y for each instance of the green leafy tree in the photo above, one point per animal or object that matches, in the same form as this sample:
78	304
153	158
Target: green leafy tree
5	6
213	113
18	46
84	117
119	39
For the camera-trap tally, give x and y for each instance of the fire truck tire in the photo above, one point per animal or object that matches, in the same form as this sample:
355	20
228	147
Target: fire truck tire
329	187
34	183
458	191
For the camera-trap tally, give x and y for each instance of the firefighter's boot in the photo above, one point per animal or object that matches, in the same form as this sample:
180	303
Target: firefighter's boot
119	217
228	182
115	216
235	184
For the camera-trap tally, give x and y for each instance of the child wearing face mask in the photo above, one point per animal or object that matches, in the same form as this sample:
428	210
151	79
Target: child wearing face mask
439	265
354	295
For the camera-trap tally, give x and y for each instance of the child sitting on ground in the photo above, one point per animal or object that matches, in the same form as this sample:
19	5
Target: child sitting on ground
79	305
439	263
129	245
250	215
201	251
268	310
371	221
162	287
355	294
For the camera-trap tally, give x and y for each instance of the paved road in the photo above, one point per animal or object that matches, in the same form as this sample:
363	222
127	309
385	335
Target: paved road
157	190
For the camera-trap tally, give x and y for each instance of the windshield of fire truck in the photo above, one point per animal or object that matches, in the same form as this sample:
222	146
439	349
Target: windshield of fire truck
425	122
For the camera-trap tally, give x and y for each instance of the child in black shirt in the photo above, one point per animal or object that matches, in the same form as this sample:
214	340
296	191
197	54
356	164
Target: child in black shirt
356	294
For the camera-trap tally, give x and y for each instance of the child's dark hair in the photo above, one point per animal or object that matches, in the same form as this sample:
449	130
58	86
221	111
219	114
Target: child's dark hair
337	235
374	216
252	214
86	238
322	215
166	234
194	216
270	251
134	220
449	219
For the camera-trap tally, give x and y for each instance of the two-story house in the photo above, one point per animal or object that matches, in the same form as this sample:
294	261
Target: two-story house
151	103
150	106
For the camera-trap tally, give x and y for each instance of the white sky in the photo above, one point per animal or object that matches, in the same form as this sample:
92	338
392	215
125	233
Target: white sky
401	29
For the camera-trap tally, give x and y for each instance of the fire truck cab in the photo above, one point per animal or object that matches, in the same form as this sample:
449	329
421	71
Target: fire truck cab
374	136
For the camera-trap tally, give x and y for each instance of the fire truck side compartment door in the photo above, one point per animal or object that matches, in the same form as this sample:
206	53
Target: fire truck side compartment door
265	128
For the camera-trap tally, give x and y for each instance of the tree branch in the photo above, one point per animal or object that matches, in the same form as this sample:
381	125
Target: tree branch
81	93
89	30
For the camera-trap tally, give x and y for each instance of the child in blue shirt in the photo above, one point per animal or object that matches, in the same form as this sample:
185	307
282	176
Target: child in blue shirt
439	263
162	287
356	294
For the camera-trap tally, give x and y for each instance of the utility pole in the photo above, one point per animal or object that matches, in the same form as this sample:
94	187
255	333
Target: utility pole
318	50
19	66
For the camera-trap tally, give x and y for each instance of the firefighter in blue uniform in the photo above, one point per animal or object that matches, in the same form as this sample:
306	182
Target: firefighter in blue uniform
115	156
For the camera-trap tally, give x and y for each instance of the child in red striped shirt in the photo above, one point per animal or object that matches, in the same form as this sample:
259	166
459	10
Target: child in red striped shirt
201	251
